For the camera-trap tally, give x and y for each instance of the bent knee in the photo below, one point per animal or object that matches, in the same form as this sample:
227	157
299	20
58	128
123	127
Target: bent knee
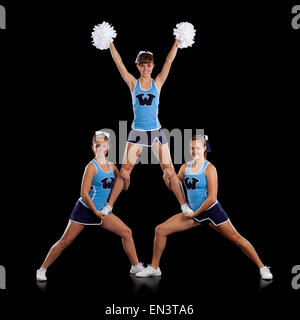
168	170
126	171
126	233
160	230
127	167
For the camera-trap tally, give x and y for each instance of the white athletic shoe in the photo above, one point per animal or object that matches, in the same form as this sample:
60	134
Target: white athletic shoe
107	209
138	268
149	272
186	209
41	275
265	273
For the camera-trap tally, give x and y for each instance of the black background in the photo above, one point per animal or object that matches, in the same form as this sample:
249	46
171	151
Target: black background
238	82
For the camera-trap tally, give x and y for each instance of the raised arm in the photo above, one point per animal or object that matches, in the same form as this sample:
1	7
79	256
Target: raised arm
162	76
127	77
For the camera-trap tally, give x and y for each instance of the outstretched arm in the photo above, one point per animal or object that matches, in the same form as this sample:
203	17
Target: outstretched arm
127	77
162	76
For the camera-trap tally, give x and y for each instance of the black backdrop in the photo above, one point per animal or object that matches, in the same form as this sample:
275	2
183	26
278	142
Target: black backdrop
235	82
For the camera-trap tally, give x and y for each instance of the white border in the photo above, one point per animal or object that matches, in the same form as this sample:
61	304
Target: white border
144	130
145	145
199	168
212	221
87	224
195	218
138	82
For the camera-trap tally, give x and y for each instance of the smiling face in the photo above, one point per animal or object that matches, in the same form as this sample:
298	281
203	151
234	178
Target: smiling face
100	148
197	148
145	69
145	64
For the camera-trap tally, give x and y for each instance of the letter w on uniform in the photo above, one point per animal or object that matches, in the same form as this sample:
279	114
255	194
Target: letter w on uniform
191	185
143	101
108	184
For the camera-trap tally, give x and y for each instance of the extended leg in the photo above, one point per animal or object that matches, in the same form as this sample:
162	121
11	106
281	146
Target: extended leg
177	223
163	155
113	224
72	231
132	152
228	231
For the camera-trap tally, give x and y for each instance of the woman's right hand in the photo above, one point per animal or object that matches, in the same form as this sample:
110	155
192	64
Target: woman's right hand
188	214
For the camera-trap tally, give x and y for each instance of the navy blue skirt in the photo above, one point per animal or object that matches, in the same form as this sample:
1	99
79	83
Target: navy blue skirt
147	138
215	214
83	215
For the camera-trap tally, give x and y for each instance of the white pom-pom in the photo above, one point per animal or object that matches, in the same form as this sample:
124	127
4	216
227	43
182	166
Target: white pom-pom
103	35
185	32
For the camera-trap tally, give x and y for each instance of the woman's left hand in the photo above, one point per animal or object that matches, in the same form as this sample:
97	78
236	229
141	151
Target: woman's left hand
102	215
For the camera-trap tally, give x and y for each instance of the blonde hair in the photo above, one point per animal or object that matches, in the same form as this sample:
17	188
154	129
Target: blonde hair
199	137
100	136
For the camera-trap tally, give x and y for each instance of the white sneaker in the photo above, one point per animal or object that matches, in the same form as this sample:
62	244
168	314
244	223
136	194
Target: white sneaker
138	268
186	209
41	275
265	273
107	209
149	272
